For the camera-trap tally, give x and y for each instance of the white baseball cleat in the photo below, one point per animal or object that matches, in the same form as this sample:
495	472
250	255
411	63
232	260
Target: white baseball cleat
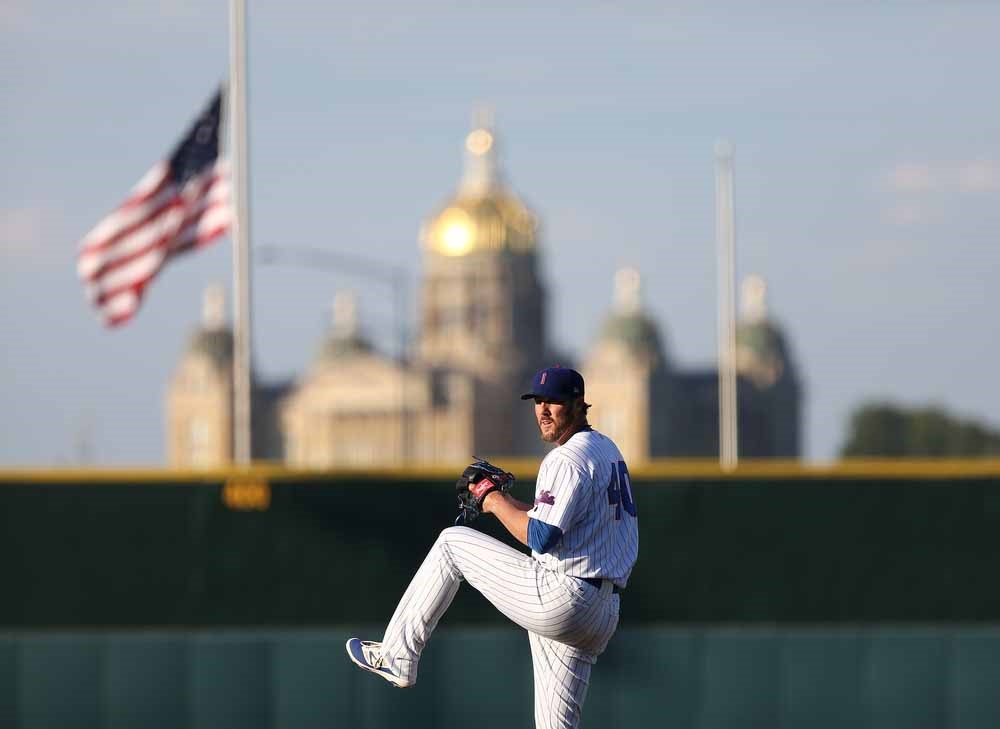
368	655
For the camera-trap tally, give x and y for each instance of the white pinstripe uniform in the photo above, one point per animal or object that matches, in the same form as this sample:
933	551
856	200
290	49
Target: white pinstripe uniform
583	488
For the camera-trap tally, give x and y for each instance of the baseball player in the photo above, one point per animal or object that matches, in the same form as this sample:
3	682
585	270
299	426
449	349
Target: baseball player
584	539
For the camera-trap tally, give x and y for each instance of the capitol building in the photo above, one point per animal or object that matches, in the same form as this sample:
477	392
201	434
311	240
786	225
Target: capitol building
480	337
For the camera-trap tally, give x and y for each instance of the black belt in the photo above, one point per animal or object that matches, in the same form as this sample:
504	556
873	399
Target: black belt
597	582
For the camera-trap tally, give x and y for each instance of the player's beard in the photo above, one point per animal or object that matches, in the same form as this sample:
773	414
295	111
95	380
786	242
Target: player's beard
555	426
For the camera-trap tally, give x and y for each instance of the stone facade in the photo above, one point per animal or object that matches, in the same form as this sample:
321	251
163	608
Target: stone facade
482	334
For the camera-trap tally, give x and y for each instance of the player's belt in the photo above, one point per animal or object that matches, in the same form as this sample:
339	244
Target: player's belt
597	582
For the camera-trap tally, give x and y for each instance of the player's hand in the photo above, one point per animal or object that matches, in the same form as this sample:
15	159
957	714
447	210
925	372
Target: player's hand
490	501
478	481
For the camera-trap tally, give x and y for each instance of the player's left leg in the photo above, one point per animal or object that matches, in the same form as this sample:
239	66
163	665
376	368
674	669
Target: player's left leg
562	675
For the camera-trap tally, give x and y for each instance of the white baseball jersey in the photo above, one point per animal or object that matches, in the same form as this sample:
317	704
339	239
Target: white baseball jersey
583	487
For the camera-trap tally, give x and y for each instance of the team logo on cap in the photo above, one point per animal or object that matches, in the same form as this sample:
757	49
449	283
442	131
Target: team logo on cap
544	375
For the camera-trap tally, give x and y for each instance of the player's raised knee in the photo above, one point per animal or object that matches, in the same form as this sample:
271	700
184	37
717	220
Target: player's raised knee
453	532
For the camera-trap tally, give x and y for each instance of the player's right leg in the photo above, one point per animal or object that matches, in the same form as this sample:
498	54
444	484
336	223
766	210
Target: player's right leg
562	675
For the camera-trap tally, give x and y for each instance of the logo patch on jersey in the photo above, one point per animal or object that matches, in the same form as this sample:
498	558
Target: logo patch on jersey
545	497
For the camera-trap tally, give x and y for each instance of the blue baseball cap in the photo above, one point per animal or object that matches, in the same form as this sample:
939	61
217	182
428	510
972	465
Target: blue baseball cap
556	383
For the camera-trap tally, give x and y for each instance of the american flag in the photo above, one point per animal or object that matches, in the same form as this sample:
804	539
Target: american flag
181	204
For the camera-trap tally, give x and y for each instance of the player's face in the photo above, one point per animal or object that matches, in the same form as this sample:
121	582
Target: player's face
555	419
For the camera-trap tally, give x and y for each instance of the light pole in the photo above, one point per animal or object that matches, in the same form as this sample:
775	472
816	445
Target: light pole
240	155
726	238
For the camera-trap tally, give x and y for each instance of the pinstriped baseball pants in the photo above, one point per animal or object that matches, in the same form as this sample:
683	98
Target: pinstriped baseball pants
569	621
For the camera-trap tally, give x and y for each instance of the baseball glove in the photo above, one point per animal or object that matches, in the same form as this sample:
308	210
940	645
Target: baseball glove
477	480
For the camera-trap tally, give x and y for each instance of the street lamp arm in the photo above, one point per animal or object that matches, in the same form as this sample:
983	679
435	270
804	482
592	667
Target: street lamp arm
329	260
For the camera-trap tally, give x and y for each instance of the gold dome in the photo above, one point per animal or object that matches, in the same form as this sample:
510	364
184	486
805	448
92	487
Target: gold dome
490	223
484	215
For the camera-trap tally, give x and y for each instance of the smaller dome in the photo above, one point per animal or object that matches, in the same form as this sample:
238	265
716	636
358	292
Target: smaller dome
336	348
761	351
628	323
763	338
345	336
637	331
214	338
216	344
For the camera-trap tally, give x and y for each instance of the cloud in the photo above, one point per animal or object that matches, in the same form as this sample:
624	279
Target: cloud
978	176
26	234
968	176
910	177
920	192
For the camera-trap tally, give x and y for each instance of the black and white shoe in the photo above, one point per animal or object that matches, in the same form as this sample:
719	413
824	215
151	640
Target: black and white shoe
368	655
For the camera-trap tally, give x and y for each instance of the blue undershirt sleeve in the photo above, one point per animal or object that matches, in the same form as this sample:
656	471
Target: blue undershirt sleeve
542	537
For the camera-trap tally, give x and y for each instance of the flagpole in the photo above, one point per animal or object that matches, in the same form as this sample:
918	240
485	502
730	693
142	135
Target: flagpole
243	324
726	235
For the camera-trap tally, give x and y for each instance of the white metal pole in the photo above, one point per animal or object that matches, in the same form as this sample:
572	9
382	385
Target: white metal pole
400	295
243	324
725	234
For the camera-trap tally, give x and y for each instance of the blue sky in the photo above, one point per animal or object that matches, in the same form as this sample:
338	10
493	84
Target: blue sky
867	183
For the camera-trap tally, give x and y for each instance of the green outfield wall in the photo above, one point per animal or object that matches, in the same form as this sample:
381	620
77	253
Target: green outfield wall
769	545
886	677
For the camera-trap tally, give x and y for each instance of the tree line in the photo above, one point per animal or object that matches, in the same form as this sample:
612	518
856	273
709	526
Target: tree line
888	430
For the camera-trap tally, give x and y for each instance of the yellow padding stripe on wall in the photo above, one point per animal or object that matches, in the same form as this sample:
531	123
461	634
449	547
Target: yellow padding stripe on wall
526	469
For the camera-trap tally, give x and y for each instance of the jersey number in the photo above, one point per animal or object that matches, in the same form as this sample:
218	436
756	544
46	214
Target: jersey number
620	490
